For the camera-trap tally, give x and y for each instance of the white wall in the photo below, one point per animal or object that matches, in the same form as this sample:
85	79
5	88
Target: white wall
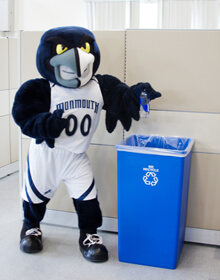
8	84
37	15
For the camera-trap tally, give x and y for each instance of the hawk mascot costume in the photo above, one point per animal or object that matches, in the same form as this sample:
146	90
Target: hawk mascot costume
60	112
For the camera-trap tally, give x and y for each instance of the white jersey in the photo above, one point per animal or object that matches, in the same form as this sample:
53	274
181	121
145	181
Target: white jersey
82	107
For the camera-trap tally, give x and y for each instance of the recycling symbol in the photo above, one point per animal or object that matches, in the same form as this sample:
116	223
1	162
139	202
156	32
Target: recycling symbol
150	179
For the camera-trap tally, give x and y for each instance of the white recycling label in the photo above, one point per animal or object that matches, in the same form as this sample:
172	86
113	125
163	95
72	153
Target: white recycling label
151	176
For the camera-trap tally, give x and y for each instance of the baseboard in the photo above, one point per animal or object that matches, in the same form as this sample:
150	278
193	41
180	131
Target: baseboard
204	236
9	169
69	219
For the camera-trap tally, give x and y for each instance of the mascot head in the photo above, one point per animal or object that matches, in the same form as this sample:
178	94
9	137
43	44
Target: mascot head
68	56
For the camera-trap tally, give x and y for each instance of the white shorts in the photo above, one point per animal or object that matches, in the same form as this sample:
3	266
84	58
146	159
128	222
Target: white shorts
47	167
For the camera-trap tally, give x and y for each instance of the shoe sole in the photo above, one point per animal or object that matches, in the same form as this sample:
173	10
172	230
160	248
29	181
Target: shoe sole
30	251
98	259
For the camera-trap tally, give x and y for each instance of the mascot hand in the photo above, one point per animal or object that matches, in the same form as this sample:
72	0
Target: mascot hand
135	92
55	124
146	87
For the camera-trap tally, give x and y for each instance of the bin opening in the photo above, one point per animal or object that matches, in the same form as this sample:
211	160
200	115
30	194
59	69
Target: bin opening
156	144
160	142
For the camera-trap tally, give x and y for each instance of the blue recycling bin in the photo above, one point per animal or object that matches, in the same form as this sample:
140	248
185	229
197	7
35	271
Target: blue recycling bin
153	179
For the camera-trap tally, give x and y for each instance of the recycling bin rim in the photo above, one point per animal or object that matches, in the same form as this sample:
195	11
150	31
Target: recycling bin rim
122	146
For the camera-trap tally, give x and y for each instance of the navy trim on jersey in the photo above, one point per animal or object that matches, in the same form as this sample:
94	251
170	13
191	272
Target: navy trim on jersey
34	189
84	195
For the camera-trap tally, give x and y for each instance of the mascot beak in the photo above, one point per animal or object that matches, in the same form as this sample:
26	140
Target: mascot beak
85	63
73	68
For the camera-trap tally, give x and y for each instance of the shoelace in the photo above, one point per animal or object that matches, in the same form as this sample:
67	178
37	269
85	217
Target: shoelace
92	239
34	231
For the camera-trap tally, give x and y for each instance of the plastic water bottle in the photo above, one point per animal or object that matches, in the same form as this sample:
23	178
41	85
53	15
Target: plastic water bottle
144	106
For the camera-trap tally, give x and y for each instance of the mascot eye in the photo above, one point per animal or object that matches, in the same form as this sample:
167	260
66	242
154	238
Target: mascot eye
86	47
61	49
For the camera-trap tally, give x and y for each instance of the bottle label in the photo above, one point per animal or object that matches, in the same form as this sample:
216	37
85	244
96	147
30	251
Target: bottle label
145	106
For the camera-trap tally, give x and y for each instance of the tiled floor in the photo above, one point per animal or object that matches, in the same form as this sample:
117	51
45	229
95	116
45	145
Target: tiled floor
62	260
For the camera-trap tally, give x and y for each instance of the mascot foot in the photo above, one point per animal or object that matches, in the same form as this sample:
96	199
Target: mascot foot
92	248
31	241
